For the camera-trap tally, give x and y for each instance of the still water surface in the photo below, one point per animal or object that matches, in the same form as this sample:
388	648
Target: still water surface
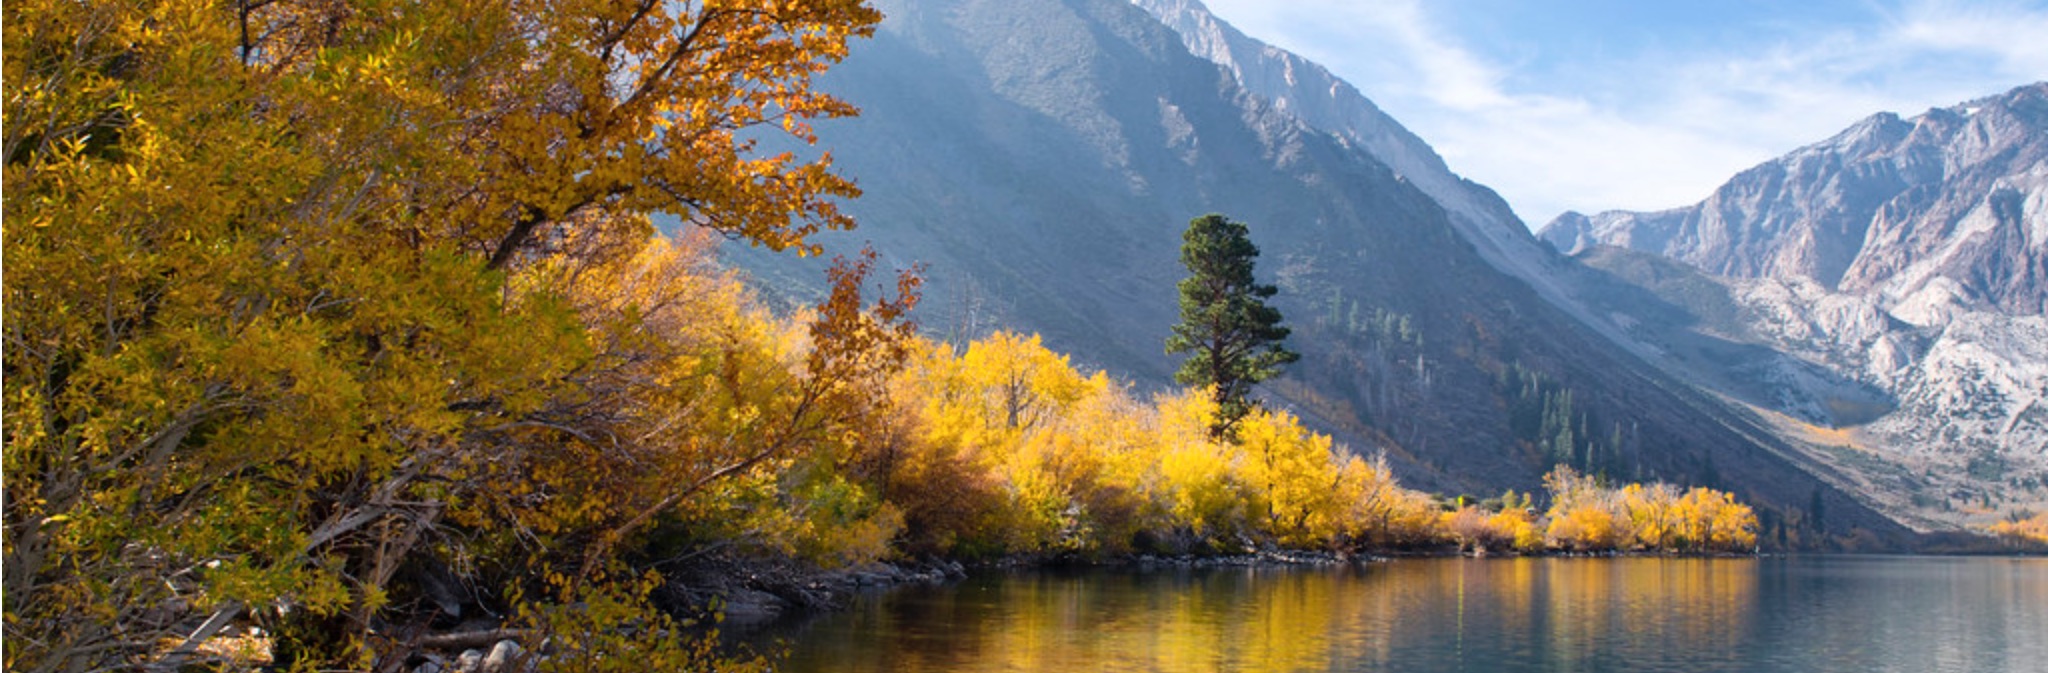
1634	614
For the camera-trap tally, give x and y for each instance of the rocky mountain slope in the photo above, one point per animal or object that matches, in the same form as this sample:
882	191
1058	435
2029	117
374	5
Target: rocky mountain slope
1318	98
1884	208
1040	158
1312	94
1882	290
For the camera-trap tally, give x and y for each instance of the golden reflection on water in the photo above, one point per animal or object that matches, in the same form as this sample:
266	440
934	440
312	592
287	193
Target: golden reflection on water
1896	614
1274	620
1703	603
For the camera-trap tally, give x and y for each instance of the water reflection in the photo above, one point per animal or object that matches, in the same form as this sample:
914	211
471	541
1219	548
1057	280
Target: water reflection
1458	615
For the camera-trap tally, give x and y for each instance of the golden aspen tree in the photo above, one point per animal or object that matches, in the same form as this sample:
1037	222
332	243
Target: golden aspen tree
1291	474
1581	516
1514	527
1109	455
1377	511
1019	382
690	385
2022	527
1719	523
935	471
268	304
1648	511
1198	485
1413	521
1584	516
1584	529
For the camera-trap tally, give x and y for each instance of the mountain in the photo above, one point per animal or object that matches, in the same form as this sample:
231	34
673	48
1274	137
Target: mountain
1318	98
1040	159
1884	208
1880	293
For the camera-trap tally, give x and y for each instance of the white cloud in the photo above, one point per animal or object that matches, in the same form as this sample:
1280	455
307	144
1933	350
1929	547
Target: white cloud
2014	34
1666	128
1393	43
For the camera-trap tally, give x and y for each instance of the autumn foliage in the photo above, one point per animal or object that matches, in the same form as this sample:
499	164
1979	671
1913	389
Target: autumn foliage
1002	446
304	297
301	293
1006	448
1585	516
2023	528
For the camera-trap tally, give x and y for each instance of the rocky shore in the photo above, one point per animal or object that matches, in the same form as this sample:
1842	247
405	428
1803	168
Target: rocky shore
749	592
725	590
752	591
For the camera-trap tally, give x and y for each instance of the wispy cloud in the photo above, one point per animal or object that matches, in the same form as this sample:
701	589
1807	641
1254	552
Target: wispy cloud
1652	130
2011	33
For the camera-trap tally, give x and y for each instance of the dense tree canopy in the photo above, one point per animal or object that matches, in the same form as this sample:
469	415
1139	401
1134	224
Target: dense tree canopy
1234	336
287	290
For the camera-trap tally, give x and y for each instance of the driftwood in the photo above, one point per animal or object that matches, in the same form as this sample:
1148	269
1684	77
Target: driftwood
464	640
179	655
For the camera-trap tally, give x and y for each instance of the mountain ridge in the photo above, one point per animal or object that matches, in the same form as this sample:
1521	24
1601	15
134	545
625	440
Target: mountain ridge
1885	206
1324	101
1885	292
1045	189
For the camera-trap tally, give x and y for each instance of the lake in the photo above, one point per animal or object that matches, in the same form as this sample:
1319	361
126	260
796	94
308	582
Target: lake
1808	613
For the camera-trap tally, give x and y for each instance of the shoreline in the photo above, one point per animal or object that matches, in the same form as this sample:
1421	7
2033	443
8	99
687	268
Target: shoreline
746	595
758	593
761	597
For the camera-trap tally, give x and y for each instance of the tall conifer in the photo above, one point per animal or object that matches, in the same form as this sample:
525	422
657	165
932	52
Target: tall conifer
1224	320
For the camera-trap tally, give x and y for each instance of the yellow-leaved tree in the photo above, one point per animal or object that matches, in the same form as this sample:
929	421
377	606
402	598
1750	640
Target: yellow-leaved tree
2022	527
285	299
1294	475
1658	517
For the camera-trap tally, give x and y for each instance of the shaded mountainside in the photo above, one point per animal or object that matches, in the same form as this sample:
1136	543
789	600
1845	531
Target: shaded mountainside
1886	207
1041	157
1320	99
1879	294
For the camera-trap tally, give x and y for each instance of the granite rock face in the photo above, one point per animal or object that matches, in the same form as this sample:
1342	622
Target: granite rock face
1886	207
1886	286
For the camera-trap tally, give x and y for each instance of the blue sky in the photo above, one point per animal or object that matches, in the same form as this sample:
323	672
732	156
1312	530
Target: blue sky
1648	104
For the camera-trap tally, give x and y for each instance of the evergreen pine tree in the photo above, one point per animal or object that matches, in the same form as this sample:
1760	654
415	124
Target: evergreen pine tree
1224	320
